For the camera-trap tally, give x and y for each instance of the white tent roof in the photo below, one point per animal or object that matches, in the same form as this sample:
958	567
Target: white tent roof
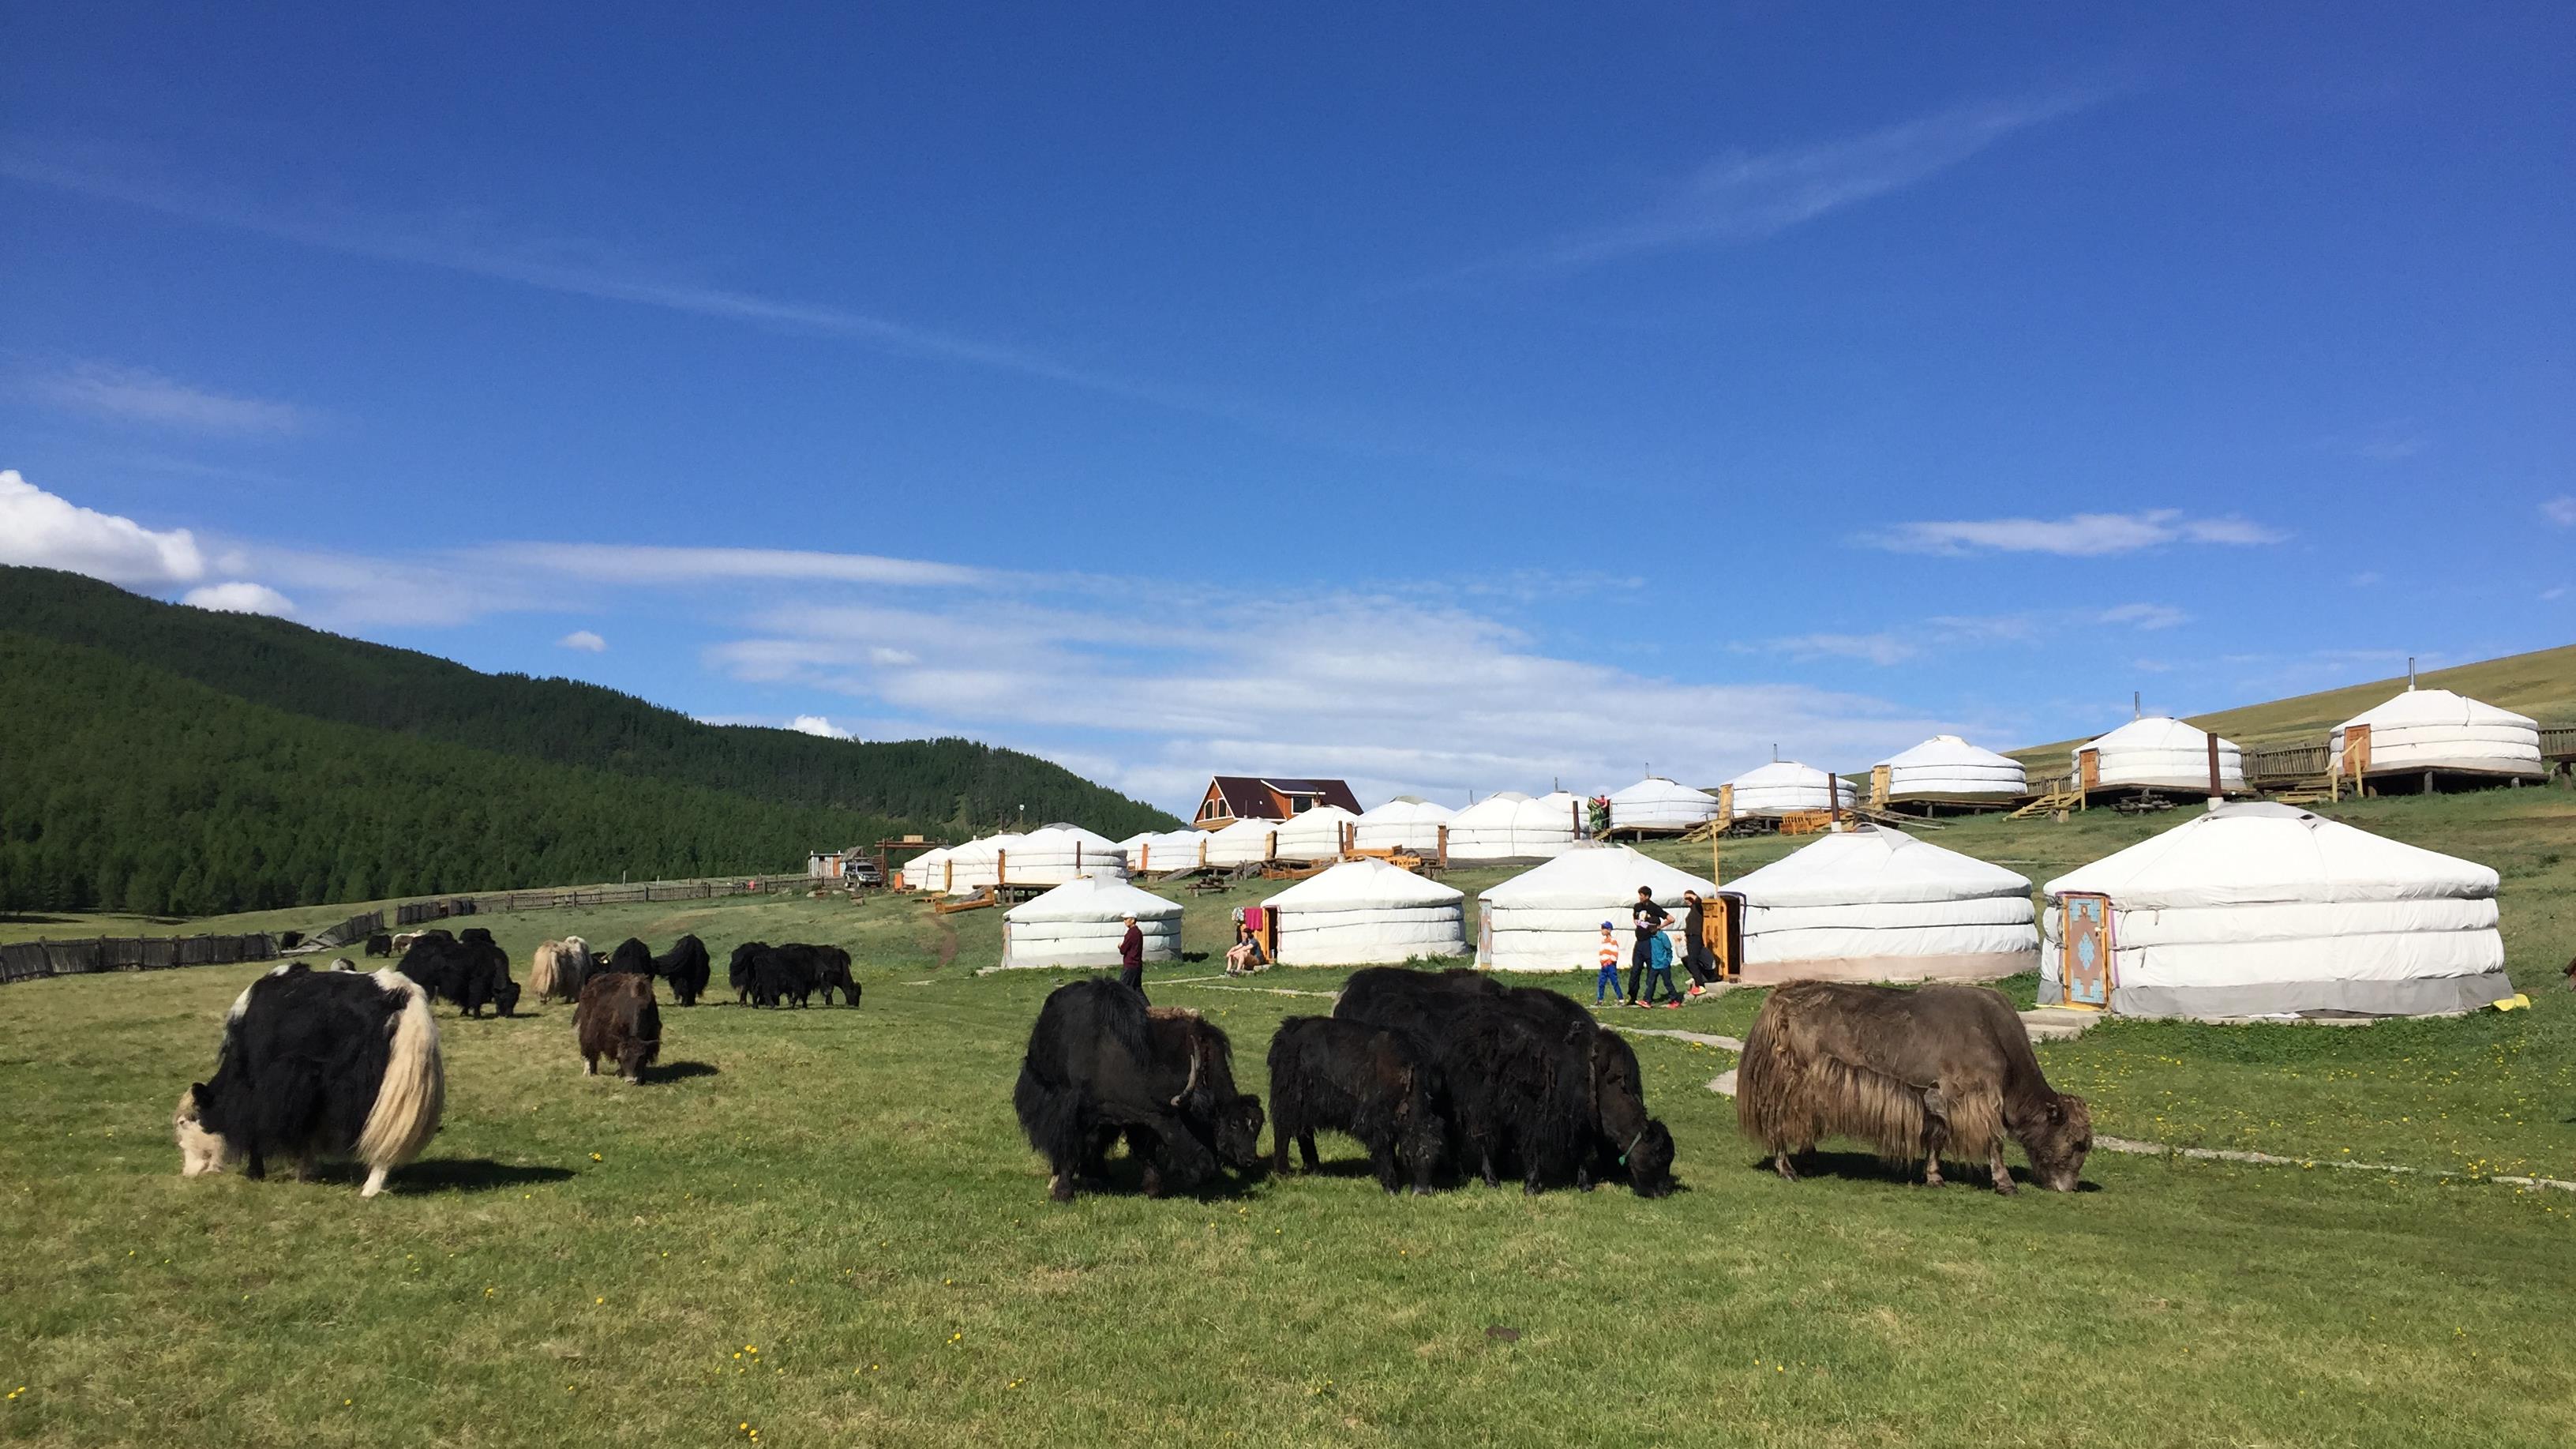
1366	885
1066	835
2162	751
1093	898
1494	811
1168	850
1949	765
1556	813
2436	707
1406	810
2437	729
1314	834
1784	785
1658	801
1874	864
1594	877
2260	853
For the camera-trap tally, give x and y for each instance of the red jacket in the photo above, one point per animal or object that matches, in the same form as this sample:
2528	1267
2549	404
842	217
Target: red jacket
1131	947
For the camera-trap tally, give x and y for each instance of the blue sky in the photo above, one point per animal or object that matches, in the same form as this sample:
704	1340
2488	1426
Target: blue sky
1459	399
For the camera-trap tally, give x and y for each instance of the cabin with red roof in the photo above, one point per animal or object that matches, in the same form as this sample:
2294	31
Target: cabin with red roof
1230	798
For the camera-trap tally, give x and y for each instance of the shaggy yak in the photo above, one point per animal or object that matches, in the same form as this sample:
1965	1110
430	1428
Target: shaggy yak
473	973
1913	1073
1100	1065
632	957
556	969
1358	1080
380	944
1525	1078
616	1019
767	975
686	967
318	1064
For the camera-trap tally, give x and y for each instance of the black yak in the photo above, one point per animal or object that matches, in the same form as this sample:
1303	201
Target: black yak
1362	1081
616	1019
1913	1073
1100	1065
473	972
772	975
686	967
632	957
380	944
738	969
318	1064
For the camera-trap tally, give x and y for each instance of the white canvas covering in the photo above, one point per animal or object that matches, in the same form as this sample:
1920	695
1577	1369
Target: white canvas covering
1783	786
1367	912
1081	922
1549	918
2434	729
1242	843
1874	904
1946	767
2165	754
1159	853
1315	834
1403	824
1058	853
978	863
1656	803
1512	826
923	872
2259	909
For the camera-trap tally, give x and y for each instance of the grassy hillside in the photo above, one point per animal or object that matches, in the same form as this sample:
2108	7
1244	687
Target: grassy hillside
2541	684
124	787
305	671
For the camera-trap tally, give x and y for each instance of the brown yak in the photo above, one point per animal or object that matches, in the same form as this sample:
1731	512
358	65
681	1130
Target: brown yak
616	1019
1913	1072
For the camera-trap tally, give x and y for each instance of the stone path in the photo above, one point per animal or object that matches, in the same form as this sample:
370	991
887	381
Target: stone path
2267	1159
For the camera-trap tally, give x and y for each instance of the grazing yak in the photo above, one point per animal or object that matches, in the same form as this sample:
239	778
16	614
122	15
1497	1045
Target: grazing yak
686	967
1358	1080
1100	1065
318	1064
1914	1073
472	972
632	958
380	944
616	1019
556	969
767	975
1524	1078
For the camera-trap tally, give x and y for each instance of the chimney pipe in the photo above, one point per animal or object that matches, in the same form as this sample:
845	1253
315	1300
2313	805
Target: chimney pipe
2410	672
2137	707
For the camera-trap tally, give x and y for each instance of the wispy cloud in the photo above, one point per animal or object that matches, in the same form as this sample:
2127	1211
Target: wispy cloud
2081	535
2143	616
615	563
139	395
240	597
1744	195
584	640
1881	648
2560	510
2367	579
40	528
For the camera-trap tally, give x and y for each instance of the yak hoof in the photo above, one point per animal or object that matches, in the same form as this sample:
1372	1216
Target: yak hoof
1932	1179
1780	1164
2006	1187
1153	1183
1060	1187
590	1069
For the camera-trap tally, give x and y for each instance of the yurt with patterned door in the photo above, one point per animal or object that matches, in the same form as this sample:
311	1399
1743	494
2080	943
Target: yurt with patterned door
1367	912
1549	918
2258	909
1082	922
1657	806
1875	904
2157	753
2437	735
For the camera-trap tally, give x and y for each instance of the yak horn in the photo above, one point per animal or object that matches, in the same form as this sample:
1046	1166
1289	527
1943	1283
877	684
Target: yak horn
1193	1083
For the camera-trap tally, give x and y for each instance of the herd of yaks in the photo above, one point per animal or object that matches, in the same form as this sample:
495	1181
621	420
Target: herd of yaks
1447	1073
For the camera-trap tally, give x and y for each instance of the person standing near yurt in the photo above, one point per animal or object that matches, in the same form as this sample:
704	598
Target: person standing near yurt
1131	956
1695	953
1650	919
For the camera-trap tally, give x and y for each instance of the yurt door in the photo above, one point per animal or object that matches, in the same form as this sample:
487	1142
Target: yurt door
2356	751
1881	777
2088	765
1722	931
2085	966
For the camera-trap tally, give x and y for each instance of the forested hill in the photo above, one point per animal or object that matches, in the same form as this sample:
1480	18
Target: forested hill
953	784
124	787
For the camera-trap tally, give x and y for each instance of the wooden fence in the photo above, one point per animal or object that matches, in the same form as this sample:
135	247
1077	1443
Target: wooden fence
27	960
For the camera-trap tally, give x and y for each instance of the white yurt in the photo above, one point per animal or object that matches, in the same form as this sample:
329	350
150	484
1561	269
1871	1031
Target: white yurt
1245	842
2260	909
1483	831
1367	912
1657	805
1058	853
1549	918
926	871
2434	729
979	863
1081	922
1160	853
1550	825
1875	904
1403	823
1315	834
1946	767
1782	786
2160	753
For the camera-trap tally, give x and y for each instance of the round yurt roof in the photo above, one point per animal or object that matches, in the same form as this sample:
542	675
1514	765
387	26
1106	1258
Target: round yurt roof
1872	864
1590	876
2436	707
1408	808
1319	817
1557	810
1656	790
986	848
1095	898
1948	752
1365	885
1492	810
1061	833
1139	838
1247	830
2156	733
2260	853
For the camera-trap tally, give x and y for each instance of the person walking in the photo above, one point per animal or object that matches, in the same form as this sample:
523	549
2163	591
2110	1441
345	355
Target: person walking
1650	919
1696	957
1659	971
1606	985
1131	956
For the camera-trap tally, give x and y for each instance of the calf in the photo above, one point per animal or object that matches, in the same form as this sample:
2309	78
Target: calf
1912	1073
1358	1080
318	1064
380	944
616	1019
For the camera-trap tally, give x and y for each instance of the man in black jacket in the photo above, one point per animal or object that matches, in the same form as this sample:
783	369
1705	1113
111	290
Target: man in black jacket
1650	919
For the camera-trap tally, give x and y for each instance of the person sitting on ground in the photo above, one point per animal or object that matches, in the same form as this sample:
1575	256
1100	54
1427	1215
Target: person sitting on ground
1245	957
1606	985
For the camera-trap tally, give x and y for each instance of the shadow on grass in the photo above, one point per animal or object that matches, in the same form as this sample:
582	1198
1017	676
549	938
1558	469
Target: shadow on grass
471	1174
677	1072
1868	1167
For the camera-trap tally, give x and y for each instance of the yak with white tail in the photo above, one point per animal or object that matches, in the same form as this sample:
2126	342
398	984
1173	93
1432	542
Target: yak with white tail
318	1064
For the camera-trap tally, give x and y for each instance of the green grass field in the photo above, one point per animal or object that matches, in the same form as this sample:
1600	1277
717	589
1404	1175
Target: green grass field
823	1226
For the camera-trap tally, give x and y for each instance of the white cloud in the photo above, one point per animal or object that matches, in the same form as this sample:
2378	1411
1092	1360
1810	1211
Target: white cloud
2367	579
1881	648
1744	195
39	528
583	640
634	563
2144	616
240	597
815	724
2081	535
139	395
2551	596
2560	510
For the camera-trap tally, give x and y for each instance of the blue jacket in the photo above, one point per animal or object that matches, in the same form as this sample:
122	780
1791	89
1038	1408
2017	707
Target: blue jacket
1659	951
